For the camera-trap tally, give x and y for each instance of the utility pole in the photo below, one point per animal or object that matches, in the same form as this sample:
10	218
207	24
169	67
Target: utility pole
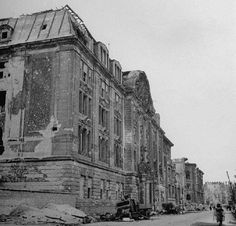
231	187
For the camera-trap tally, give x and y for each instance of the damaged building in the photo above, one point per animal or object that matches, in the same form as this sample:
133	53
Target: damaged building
74	128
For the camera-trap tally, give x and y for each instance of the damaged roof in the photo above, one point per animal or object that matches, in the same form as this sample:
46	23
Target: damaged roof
44	25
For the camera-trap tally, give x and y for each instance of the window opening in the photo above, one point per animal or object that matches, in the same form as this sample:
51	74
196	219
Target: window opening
2	118
2	101
4	34
44	26
2	68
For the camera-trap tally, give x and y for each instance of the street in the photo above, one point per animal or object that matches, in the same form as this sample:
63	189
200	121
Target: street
189	219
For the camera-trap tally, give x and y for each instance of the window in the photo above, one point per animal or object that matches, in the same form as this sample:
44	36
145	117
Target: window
108	185
188	197
103	117
118	156
84	140
82	186
122	188
117	73
104	88
117	190
150	192
85	72
80	101
44	26
104	56
2	101
85	104
2	115
5	32
102	187
187	175
2	69
89	187
103	149
89	107
1	142
117	127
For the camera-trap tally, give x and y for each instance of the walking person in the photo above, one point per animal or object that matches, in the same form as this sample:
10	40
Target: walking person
219	214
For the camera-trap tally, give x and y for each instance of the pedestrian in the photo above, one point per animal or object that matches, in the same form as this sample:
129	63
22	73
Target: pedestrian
219	214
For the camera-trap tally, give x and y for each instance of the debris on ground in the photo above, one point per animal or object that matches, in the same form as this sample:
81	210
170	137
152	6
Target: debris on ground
51	213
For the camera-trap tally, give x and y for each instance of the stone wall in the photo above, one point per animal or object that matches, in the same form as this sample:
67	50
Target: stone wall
54	178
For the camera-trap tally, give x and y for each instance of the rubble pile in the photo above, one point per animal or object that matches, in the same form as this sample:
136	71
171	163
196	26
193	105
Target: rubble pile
51	213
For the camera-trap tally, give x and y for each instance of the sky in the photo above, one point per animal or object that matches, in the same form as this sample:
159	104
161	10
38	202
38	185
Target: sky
187	49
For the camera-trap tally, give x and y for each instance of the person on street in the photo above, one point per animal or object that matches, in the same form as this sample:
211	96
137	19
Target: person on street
219	214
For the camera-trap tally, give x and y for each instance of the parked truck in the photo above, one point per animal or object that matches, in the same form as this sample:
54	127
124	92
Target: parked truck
130	208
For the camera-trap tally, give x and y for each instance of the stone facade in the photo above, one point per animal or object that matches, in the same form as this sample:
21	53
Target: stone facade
189	180
194	184
180	180
74	128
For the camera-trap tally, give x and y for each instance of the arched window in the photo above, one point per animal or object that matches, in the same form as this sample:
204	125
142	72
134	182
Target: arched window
188	197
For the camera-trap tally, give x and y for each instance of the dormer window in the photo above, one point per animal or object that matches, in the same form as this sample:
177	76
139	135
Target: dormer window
102	54
116	70
5	32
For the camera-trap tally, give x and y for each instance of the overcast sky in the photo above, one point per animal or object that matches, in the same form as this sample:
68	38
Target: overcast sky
188	50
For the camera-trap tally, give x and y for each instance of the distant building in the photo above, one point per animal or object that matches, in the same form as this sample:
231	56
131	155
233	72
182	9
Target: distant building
216	192
189	183
180	180
194	184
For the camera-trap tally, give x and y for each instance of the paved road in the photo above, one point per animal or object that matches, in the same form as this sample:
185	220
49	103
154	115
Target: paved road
189	219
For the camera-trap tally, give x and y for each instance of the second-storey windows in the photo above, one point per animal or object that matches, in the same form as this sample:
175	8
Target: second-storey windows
117	126
103	117
85	104
104	88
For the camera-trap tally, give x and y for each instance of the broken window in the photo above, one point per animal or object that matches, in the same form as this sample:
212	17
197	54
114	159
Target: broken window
2	69
44	26
89	189
2	101
1	142
5	32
